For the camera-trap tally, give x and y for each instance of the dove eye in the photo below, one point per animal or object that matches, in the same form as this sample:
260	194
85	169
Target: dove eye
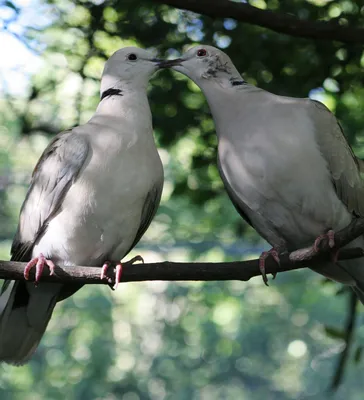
201	53
132	57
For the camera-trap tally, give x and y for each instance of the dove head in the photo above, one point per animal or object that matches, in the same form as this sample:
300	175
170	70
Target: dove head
128	69
206	65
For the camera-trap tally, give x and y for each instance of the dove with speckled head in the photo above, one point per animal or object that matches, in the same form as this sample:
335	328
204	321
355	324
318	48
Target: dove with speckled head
284	161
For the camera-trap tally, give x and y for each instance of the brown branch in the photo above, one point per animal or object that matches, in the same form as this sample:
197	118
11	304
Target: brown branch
348	338
165	271
278	22
170	271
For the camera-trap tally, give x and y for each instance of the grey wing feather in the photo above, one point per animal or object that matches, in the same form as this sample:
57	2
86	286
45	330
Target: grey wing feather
253	218
149	210
233	197
25	314
56	170
343	165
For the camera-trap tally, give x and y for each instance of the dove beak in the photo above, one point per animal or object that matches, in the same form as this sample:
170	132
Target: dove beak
170	63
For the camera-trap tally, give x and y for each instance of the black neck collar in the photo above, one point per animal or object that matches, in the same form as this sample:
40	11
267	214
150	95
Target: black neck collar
238	83
111	92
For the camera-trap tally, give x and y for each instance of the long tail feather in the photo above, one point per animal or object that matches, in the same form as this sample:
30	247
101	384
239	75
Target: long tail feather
25	313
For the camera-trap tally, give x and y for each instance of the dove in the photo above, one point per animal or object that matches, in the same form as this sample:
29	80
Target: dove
93	194
284	162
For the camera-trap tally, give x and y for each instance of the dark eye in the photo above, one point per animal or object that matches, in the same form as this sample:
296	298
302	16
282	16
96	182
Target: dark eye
201	53
132	57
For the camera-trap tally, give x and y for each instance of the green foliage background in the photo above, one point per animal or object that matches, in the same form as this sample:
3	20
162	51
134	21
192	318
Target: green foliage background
228	340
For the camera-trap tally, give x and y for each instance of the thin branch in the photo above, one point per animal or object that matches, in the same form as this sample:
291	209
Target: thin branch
342	238
22	40
349	336
166	271
204	271
278	22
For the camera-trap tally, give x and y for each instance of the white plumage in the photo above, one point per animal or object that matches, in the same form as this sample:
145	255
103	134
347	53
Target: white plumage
93	194
284	161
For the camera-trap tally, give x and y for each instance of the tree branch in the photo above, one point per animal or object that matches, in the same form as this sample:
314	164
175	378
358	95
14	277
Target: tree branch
278	22
348	338
204	271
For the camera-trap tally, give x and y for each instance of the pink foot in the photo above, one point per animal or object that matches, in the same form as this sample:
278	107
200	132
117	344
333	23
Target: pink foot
118	269
118	272
273	253
330	235
39	263
104	269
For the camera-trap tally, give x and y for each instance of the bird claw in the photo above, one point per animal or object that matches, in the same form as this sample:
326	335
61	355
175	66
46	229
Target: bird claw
329	235
104	269
273	253
118	269
39	263
118	272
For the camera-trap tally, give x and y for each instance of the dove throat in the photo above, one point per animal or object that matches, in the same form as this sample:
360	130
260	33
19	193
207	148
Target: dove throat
238	99
122	104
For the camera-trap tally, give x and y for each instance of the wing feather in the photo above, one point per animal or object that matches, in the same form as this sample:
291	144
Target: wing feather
56	170
342	163
149	210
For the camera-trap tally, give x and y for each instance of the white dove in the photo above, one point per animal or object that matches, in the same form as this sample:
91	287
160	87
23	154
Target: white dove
284	162
93	194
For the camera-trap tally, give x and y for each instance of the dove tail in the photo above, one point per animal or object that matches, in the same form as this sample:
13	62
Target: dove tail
25	313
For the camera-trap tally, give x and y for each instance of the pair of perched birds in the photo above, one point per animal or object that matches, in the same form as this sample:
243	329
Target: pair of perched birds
285	164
